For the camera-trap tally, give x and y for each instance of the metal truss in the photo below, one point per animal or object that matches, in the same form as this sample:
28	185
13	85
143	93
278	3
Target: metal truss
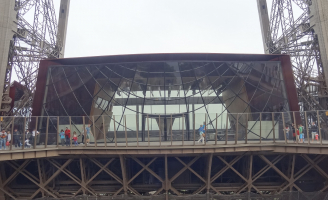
296	37
263	176
34	40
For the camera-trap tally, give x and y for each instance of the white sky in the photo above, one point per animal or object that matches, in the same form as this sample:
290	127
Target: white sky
108	27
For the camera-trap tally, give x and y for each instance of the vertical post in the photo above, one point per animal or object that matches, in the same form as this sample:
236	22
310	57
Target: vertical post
35	133
209	170
171	131
205	129
166	179
194	127
148	129
226	132
24	134
103	122
260	128
183	129
160	133
126	134
273	131
57	134
292	172
216	129
319	127
12	134
84	132
115	137
295	127
70	128
307	129
236	135
246	128
284	126
123	169
94	130
137	131
250	172
47	133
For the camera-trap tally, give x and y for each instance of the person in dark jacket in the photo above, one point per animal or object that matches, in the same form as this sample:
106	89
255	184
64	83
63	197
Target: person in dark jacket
314	130
68	136
17	137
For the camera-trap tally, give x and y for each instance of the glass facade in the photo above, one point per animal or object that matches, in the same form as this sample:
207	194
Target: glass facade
165	96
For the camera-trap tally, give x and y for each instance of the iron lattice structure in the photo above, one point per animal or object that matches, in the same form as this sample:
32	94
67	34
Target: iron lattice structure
35	39
242	175
295	36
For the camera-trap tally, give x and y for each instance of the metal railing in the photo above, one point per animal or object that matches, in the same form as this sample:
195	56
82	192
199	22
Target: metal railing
152	130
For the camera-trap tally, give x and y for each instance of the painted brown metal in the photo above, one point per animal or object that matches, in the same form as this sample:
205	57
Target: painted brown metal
248	172
284	59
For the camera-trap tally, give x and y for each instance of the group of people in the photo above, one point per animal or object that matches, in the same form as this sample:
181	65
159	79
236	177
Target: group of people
298	134
6	138
65	136
32	137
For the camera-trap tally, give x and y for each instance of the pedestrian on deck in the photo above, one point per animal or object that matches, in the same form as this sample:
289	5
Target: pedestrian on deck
27	134
8	138
287	132
17	138
88	130
294	132
67	136
3	136
35	133
27	143
201	134
301	133
75	138
82	135
62	137
314	130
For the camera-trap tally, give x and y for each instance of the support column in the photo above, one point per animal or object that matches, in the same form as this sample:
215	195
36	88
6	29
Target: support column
208	178
319	21
166	179
62	26
2	178
82	173
250	168
123	169
7	28
265	24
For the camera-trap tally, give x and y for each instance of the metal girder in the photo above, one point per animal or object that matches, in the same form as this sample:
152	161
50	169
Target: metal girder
295	35
33	40
246	175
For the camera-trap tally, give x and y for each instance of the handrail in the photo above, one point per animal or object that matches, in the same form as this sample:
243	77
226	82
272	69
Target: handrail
167	130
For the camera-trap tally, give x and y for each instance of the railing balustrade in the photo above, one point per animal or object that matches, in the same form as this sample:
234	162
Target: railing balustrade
158	130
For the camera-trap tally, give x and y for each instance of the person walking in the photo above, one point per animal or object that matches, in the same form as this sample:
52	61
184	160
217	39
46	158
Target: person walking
82	139
67	136
201	134
3	136
301	135
294	132
62	137
88	130
8	138
35	133
314	130
287	132
17	138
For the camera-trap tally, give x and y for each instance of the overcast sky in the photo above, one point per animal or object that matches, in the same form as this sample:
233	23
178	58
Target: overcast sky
108	27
